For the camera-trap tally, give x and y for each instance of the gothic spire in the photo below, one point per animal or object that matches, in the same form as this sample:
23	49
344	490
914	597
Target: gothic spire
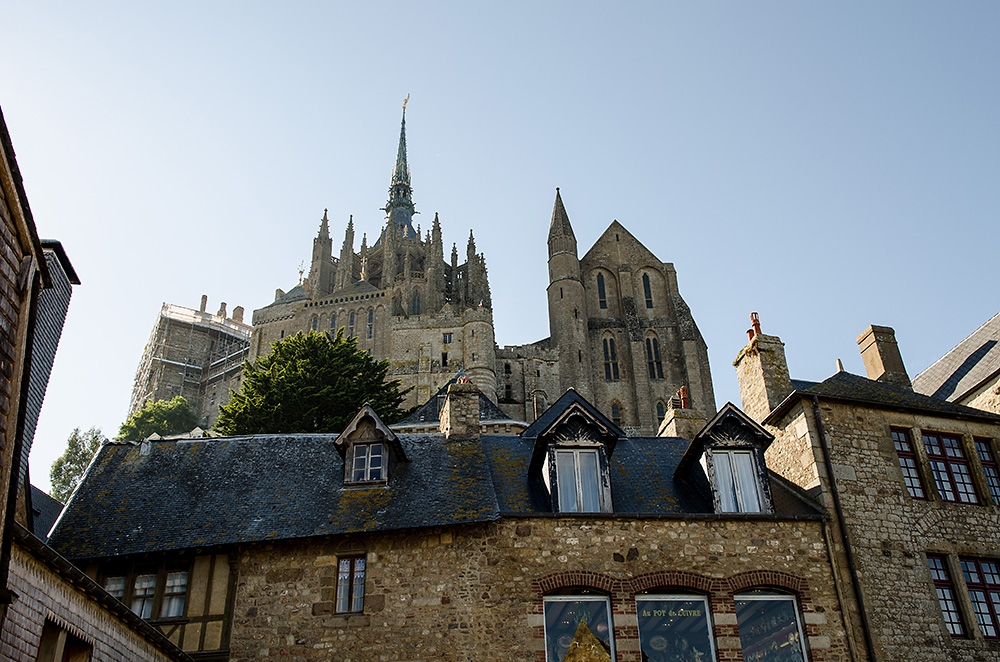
560	219
399	208
324	226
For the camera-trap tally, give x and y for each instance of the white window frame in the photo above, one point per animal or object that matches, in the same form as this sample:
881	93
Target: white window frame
366	466
741	491
578	506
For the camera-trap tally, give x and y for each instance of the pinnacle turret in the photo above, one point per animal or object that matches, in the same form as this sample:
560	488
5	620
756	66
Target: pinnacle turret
561	237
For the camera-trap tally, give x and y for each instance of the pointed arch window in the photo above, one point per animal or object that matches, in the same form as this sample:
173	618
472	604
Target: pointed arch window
616	414
314	324
611	372
415	305
350	330
647	290
602	295
653	358
661	412
333	321
371	323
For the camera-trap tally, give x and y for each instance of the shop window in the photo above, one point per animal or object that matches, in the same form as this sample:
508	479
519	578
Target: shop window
982	578
950	468
945	590
770	627
908	464
653	358
602	295
611	373
367	463
578	478
647	290
674	627
990	470
350	584
736	481
570	616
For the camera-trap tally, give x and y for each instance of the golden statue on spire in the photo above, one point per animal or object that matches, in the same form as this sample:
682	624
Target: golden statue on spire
405	101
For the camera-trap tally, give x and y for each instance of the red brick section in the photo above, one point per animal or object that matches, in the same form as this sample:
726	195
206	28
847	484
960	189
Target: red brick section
720	592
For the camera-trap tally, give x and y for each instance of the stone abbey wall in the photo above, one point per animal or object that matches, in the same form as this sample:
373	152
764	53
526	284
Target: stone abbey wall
475	592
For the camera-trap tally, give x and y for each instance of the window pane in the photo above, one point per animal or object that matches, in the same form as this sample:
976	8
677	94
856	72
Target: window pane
590	488
746	480
946	595
566	480
142	595
769	625
674	627
726	485
115	586
563	615
175	590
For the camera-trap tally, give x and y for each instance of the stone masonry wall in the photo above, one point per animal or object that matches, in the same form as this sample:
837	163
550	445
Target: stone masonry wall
986	397
44	595
891	532
475	592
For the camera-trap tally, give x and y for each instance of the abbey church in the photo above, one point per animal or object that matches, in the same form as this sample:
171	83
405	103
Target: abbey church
620	332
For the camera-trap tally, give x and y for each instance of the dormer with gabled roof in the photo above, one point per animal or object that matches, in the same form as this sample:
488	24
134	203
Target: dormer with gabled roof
730	452
573	444
369	448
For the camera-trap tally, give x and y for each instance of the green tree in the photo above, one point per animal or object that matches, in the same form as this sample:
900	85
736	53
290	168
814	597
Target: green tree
68	468
310	382
173	416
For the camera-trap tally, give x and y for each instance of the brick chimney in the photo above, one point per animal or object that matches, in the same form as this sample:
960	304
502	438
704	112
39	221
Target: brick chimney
883	362
460	413
762	371
680	420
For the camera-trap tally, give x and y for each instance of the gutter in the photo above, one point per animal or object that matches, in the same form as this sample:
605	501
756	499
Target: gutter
852	567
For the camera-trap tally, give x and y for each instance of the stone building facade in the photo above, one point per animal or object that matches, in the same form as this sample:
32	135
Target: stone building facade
913	488
460	545
621	334
193	354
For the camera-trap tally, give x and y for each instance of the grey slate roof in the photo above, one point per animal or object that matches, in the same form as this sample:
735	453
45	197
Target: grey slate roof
297	293
963	369
430	411
178	494
854	388
44	511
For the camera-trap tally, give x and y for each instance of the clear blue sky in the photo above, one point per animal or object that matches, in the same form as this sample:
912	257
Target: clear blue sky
830	165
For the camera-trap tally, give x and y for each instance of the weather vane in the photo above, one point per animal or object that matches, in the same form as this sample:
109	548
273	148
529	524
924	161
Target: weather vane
405	101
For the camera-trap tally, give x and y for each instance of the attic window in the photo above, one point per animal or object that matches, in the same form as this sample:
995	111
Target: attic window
579	481
736	478
368	463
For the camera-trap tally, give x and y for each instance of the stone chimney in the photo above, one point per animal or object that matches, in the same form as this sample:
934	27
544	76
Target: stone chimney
680	420
238	314
204	302
883	362
762	371
222	310
460	413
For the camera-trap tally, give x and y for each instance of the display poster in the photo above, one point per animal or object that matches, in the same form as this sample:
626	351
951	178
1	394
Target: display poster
674	629
769	628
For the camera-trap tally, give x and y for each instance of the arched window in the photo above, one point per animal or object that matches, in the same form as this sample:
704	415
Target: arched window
616	414
661	412
371	323
350	325
610	361
653	358
688	622
602	295
647	290
415	305
333	321
314	325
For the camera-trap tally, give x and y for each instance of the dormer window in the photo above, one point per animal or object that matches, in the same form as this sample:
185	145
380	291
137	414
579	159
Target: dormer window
368	463
736	478
573	445
370	450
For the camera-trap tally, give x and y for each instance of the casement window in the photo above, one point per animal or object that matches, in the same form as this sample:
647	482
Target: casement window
143	593
567	616
736	481
908	464
163	593
446	340
653	358
578	478
368	463
950	468
982	578
647	290
770	627
675	627
602	295
350	584
611	373
174	593
990	469
945	590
